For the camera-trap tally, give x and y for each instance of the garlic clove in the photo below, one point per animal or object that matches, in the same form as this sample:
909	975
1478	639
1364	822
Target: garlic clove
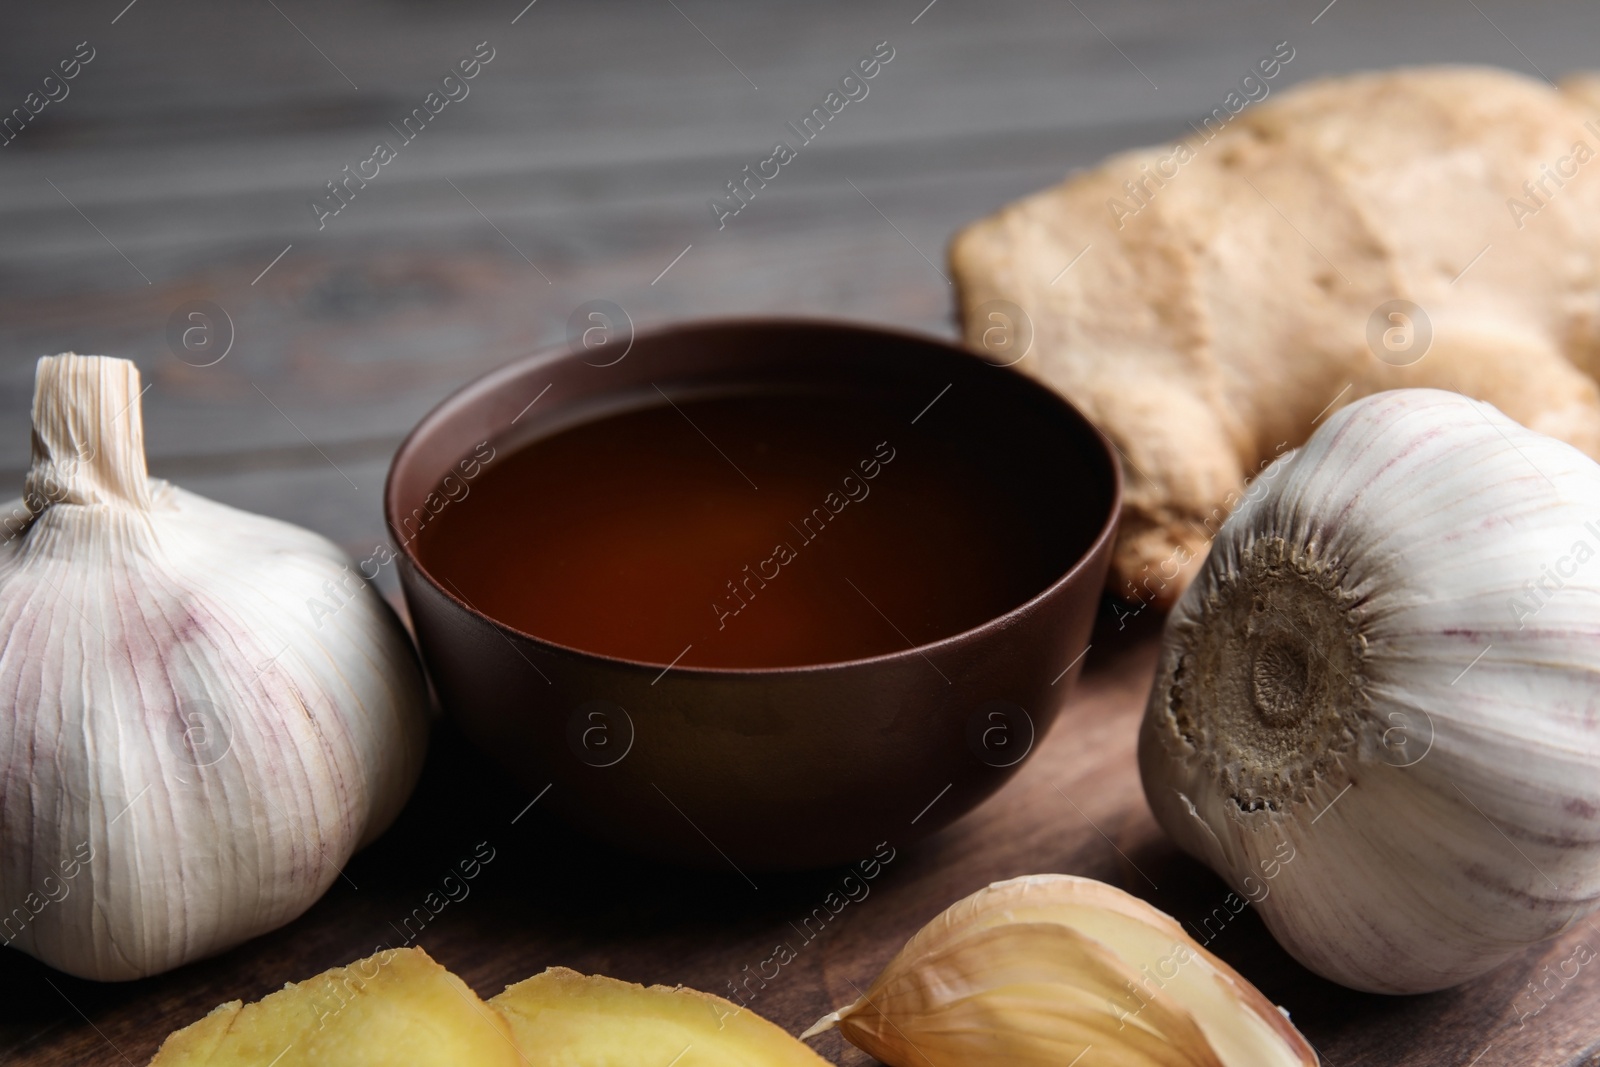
1036	970
1386	670
190	752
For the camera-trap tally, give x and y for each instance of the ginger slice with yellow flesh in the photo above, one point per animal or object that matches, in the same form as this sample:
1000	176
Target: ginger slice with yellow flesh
395	1009
566	1019
401	1009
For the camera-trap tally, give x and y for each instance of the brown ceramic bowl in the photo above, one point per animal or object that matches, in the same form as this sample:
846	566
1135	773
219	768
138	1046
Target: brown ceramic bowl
777	768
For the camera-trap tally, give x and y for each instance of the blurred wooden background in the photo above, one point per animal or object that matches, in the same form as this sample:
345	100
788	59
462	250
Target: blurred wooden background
179	170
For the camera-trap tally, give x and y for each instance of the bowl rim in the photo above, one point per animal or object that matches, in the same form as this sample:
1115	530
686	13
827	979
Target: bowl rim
490	380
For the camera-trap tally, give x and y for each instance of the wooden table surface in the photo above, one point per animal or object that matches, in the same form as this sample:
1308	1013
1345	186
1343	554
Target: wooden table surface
180	169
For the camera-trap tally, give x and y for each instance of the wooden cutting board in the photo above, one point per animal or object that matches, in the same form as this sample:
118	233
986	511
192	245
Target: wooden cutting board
550	897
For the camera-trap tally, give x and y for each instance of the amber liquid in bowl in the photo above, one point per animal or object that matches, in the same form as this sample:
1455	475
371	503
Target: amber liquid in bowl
760	530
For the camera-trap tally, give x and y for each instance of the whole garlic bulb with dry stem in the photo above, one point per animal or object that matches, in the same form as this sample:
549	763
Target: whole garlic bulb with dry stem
1391	660
188	751
1039	970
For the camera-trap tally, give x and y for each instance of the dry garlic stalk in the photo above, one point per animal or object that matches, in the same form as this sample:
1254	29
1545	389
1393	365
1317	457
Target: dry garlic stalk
1390	662
187	755
1034	971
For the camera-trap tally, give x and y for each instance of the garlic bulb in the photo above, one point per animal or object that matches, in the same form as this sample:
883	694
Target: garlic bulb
189	751
1035	971
1390	662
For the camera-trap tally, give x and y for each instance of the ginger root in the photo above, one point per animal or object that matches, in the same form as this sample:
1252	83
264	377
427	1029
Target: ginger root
1237	287
401	1009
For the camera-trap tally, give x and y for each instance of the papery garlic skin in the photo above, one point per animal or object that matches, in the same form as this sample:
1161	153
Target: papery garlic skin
1036	971
173	708
1368	669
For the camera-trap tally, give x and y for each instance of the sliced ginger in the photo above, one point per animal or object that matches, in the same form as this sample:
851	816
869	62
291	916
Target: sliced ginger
396	1009
401	1009
566	1019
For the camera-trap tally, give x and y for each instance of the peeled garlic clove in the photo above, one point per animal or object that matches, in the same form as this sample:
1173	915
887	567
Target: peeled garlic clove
189	749
1388	665
1037	970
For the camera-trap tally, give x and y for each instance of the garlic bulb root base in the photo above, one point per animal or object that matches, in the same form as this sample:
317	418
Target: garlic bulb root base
1267	684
